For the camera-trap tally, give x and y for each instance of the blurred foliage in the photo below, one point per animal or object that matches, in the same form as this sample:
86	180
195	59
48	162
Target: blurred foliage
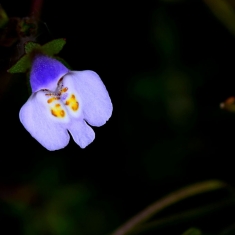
224	10
192	231
3	17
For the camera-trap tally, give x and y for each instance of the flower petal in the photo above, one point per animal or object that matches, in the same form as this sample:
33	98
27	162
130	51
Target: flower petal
37	121
46	72
96	104
82	134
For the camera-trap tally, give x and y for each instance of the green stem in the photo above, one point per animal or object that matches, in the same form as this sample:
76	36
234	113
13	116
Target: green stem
170	199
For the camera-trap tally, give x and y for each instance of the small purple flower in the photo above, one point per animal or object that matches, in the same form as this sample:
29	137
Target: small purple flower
62	101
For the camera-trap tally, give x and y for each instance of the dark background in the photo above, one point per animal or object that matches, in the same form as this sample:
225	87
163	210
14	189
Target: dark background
167	66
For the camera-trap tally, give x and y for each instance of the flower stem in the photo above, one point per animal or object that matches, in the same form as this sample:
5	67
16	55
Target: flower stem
168	200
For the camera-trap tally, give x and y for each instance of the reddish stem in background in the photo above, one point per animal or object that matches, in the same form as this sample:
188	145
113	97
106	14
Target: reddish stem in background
36	8
168	200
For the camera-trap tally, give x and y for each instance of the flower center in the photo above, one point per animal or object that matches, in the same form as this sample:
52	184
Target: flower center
61	101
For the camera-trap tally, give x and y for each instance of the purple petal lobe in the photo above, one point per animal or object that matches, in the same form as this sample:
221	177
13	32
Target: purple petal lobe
38	121
96	104
82	134
46	72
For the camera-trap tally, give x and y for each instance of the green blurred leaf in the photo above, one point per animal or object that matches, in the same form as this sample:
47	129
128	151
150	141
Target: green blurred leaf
3	17
192	231
21	66
53	47
30	46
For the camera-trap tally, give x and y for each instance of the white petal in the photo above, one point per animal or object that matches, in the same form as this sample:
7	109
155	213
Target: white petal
95	101
82	134
38	121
